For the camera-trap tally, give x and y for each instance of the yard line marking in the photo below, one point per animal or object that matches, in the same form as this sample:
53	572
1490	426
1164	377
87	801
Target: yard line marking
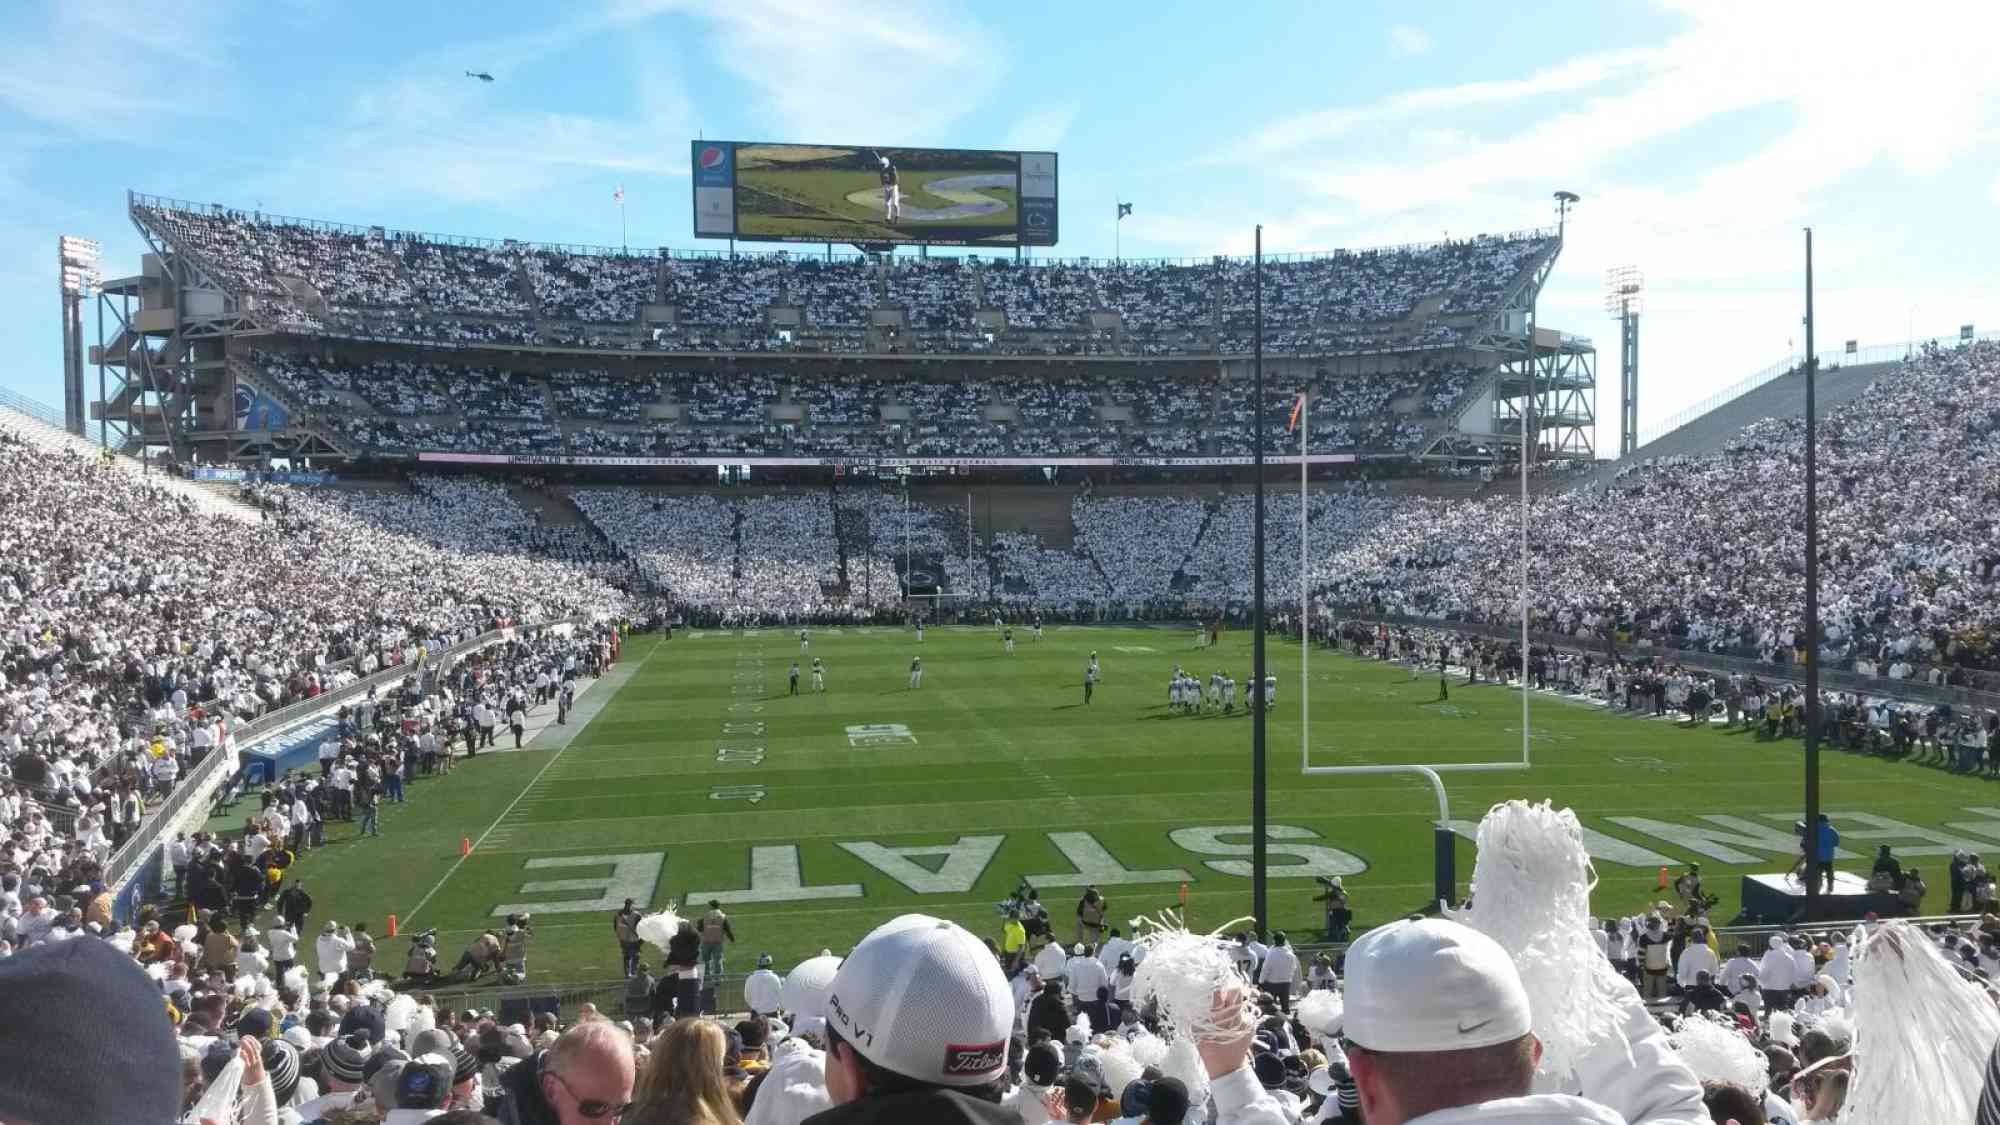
536	780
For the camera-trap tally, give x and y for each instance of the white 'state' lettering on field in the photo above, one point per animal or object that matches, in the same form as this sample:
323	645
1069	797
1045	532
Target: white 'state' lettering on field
880	734
632	876
1600	847
1739	840
1314	859
1095	866
964	862
775	876
1907	839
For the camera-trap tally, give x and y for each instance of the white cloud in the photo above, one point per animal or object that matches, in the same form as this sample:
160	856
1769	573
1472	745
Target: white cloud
1409	39
856	70
43	79
1699	159
1043	128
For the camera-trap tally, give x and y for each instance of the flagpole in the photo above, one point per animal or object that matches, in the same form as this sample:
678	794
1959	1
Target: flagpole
1118	230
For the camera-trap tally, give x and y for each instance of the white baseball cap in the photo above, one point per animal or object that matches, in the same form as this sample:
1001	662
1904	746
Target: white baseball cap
1432	985
923	998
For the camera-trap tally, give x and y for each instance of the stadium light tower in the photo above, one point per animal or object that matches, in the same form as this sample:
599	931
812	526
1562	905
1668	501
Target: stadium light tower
78	260
1624	298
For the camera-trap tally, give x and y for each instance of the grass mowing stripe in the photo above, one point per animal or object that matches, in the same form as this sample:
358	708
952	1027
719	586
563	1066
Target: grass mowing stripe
504	813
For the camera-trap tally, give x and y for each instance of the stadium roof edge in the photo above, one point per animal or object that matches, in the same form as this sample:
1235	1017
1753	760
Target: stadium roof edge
136	198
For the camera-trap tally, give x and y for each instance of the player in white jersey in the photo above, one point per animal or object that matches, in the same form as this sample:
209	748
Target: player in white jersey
1270	690
1007	641
920	630
802	640
916	672
1173	693
819	674
1038	626
1214	689
1228	696
892	192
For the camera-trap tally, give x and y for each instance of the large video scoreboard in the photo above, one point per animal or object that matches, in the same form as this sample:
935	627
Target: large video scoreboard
848	193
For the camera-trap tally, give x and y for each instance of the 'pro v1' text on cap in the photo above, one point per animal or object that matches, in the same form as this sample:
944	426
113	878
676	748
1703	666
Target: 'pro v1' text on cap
923	998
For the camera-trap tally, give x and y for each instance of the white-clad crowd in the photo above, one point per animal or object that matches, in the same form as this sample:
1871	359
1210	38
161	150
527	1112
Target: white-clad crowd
397	285
1707	551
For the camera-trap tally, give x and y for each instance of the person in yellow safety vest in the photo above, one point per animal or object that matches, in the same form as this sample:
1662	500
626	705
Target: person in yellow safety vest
1013	940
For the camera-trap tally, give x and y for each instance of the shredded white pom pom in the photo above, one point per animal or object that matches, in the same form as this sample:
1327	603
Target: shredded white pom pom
1718	1052
297	980
1922	1032
1838	1026
218	1101
396	1017
245	987
1532	883
658	929
378	991
1119	1067
1320	1013
1182	1061
1185	974
421	1020
1148	1049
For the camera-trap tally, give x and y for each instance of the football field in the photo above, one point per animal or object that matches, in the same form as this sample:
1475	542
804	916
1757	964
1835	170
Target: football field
816	817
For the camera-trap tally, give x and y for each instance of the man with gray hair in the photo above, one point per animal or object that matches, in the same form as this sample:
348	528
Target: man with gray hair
585	1078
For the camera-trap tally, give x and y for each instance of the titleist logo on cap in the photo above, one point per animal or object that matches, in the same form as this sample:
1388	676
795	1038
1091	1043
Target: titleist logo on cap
977	1058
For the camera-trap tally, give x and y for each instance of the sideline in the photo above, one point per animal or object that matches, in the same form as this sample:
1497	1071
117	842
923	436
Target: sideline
410	918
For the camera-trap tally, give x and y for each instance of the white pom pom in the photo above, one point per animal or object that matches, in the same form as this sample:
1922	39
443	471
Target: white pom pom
157	970
1120	1068
378	991
1533	880
1148	1049
1719	1053
245	987
658	929
1185	974
396	1017
421	1020
1182	1061
1922	1033
297	980
1320	1012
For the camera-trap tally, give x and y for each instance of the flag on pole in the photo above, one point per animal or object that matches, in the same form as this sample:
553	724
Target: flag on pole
619	195
1124	209
1297	405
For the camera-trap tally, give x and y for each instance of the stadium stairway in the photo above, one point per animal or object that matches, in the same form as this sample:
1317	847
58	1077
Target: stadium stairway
1782	397
1035	508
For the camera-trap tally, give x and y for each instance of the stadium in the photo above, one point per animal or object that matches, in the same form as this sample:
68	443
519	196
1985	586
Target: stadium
402	599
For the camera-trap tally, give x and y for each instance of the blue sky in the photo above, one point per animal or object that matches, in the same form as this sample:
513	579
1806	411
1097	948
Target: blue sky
1701	135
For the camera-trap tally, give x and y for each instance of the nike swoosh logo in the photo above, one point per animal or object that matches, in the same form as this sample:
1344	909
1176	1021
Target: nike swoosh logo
1467	1029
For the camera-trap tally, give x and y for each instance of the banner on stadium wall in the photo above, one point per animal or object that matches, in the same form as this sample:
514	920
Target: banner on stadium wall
271	476
256	410
878	462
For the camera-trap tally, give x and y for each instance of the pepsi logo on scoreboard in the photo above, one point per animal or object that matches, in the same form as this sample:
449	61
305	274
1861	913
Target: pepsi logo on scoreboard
712	164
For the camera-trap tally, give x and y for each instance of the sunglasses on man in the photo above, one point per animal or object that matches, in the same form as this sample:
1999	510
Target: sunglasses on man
592	1109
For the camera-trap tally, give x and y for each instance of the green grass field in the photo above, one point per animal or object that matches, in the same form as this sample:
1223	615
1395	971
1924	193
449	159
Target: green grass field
819	206
701	776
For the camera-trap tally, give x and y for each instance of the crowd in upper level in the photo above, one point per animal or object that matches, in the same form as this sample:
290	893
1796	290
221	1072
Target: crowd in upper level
402	406
323	279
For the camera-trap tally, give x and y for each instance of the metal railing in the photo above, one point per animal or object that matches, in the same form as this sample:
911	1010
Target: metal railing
1829	360
40	411
126	858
